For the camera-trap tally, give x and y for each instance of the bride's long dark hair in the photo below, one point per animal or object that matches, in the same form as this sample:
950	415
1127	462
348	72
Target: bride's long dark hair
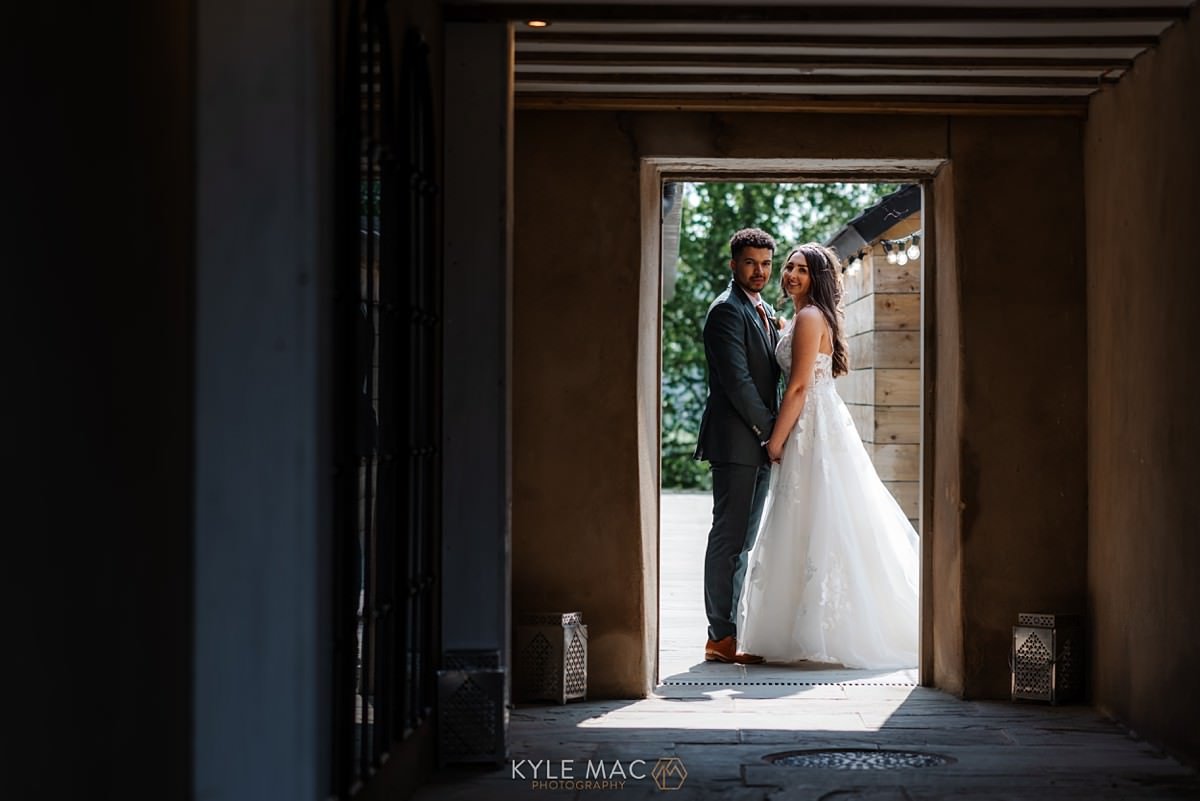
825	292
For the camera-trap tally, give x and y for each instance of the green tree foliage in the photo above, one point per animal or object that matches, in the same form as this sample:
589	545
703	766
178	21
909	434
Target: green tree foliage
793	214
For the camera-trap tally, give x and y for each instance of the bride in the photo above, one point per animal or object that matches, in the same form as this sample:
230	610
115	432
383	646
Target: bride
833	573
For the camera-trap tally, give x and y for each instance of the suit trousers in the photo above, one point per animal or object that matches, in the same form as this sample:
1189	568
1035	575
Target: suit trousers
739	492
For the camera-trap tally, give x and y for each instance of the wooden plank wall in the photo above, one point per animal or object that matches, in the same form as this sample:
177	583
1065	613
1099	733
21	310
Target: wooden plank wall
883	389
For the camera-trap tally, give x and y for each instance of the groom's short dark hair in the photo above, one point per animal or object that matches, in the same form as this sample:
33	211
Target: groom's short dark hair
750	238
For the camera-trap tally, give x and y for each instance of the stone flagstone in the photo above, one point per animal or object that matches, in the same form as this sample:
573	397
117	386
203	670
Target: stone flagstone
721	721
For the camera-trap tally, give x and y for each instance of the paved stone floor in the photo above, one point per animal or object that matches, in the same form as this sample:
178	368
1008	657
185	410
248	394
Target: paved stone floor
721	723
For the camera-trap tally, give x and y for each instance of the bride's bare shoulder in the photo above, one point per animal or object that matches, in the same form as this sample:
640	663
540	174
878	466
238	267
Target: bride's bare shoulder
810	320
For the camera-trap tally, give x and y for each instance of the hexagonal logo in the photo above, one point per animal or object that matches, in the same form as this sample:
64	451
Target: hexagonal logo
669	773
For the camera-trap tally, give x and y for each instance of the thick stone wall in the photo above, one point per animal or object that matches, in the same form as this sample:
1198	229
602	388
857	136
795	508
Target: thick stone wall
576	529
1018	222
1142	173
99	266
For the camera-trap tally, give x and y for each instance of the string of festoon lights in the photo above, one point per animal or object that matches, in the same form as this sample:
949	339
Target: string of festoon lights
896	251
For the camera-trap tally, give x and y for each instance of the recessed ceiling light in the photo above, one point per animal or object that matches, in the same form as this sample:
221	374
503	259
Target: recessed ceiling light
537	23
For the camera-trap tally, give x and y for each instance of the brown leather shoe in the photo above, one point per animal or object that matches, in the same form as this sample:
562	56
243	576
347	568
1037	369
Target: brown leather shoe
725	650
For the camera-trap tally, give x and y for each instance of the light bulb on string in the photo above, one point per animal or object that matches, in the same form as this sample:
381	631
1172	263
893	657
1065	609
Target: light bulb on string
902	258
891	254
855	264
914	250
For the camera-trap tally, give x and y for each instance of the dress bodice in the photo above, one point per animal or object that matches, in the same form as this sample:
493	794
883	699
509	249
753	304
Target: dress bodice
822	367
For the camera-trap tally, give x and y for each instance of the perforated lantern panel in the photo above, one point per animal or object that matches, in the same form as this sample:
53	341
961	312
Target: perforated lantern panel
1047	653
551	657
472	714
576	664
1031	663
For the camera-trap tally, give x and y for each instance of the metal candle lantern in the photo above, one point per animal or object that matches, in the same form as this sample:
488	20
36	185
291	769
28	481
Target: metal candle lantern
472	715
1047	657
551	657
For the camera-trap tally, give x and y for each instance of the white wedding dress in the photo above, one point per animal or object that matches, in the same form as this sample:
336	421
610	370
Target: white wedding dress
833	573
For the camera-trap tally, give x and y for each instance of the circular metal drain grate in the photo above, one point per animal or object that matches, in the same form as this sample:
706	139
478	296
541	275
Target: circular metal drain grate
858	759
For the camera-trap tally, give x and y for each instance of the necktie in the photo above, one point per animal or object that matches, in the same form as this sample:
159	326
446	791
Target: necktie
766	323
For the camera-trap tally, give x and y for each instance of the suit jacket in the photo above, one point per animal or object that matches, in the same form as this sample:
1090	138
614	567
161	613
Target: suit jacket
743	381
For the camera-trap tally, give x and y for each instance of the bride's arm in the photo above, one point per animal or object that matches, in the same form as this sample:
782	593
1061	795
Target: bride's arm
806	341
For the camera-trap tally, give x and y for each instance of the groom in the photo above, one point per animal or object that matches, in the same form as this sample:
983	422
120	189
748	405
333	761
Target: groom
743	399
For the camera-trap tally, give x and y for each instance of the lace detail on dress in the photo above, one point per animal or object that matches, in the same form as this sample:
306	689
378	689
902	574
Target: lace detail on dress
822	367
832	601
835	603
822	381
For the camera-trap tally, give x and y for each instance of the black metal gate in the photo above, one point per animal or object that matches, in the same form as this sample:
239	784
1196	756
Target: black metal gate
385	395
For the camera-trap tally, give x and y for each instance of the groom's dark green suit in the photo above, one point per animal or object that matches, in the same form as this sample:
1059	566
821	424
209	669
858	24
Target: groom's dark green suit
743	399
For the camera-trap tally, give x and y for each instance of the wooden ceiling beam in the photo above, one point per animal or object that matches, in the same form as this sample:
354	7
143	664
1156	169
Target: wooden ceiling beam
866	60
899	79
656	12
966	105
849	41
